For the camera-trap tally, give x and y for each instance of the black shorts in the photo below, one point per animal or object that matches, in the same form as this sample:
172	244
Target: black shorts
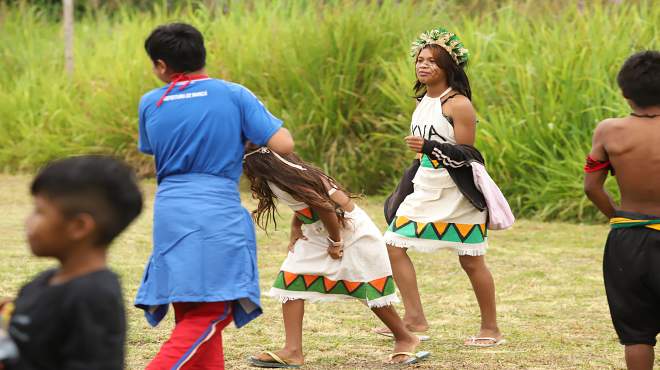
631	268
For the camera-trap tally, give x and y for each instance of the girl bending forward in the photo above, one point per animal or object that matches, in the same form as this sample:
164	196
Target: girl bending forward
335	252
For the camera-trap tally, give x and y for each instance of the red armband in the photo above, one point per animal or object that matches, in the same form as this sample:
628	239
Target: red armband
593	165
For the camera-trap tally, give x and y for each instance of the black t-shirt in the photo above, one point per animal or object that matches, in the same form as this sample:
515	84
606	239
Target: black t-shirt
77	325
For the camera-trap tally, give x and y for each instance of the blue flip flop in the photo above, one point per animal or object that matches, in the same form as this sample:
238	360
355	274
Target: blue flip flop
277	362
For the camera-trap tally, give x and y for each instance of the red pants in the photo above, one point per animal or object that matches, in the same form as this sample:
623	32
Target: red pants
196	341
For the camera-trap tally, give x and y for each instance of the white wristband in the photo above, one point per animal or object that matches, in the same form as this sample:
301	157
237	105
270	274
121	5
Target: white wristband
336	244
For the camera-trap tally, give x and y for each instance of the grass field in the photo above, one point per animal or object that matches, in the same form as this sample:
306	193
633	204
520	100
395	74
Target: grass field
551	301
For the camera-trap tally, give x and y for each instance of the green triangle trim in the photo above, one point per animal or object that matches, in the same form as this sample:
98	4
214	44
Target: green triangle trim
279	281
361	291
393	224
390	287
298	284
317	286
340	288
407	230
474	237
428	163
372	293
429	232
306	220
451	235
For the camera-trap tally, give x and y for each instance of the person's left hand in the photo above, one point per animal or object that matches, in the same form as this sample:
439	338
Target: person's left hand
296	234
335	249
336	252
415	143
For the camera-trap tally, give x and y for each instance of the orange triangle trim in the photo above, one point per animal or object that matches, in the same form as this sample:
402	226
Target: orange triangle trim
307	212
440	227
419	227
400	221
464	229
483	229
351	286
379	284
289	277
328	284
309	280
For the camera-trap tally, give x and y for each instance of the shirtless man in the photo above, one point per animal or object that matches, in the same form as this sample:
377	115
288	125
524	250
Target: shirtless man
630	148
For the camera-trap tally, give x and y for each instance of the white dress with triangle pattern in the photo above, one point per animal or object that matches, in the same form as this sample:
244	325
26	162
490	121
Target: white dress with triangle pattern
309	273
436	215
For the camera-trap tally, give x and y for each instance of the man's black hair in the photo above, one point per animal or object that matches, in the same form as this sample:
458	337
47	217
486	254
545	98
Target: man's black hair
179	45
101	186
639	78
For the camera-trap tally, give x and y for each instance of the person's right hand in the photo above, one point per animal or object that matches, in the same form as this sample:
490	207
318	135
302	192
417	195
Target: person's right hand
296	234
415	143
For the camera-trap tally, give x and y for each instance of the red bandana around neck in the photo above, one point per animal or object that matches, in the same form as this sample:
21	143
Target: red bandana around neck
176	78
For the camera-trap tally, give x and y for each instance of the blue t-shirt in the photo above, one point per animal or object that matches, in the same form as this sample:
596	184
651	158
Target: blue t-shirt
204	245
203	128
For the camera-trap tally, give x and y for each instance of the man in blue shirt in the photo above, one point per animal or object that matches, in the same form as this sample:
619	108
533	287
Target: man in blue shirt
204	257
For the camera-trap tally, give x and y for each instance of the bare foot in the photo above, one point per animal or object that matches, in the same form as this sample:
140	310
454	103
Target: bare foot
382	330
413	328
404	345
487	334
417	328
288	356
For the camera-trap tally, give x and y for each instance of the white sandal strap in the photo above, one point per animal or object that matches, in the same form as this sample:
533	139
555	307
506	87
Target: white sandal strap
276	357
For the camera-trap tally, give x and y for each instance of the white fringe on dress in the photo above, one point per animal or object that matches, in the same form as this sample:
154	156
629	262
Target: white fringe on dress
284	296
429	245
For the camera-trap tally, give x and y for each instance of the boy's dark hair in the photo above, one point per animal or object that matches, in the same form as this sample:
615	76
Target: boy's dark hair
101	186
639	78
180	45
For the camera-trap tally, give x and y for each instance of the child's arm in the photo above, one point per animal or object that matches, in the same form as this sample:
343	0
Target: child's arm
332	226
595	176
331	221
296	232
281	142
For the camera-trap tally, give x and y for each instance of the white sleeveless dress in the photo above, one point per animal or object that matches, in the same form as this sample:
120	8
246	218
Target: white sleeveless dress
436	215
364	271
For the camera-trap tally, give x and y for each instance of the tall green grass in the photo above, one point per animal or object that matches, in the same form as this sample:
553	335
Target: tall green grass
543	74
